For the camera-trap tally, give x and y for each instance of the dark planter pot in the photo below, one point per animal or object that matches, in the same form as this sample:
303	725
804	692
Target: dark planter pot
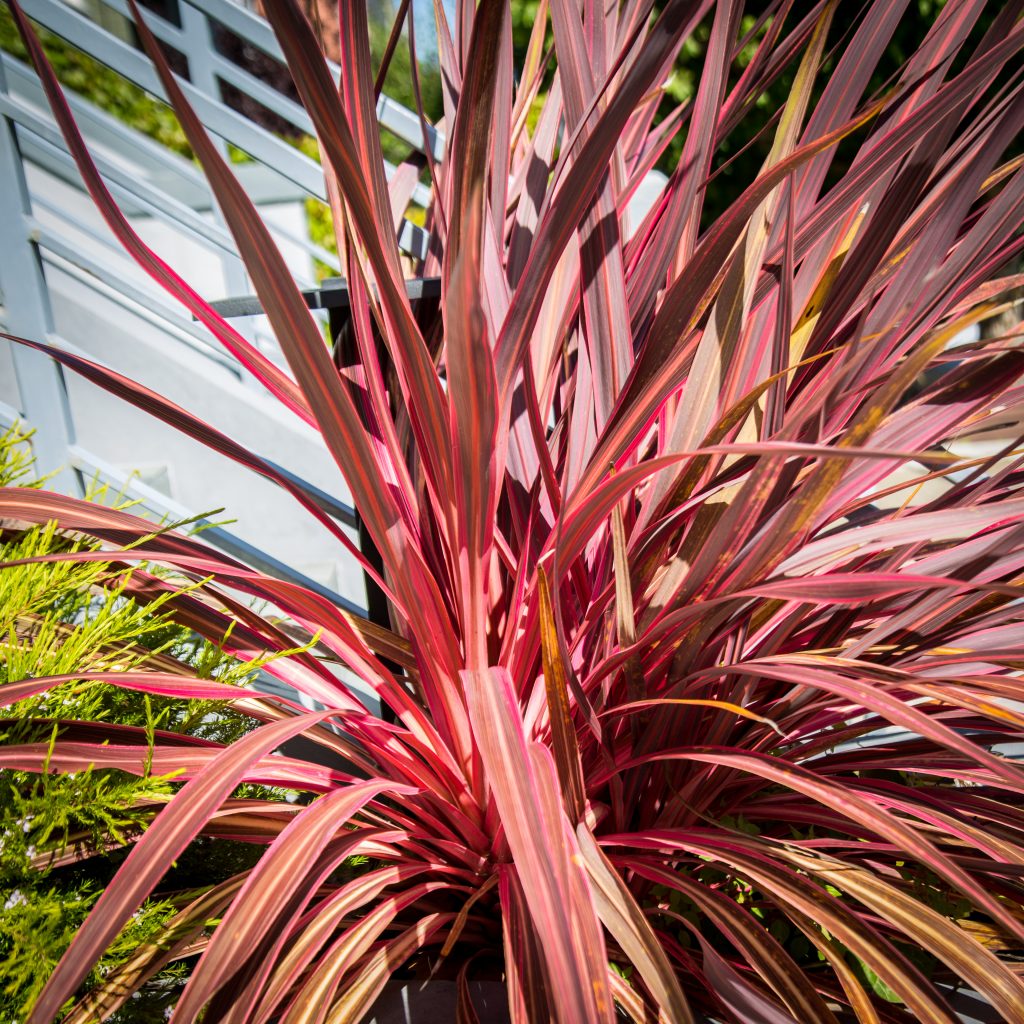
970	1007
433	1002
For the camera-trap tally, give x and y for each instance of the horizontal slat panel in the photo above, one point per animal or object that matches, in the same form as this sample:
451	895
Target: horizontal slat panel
220	538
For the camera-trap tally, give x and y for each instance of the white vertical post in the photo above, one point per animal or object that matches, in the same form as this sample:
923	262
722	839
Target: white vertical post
202	73
43	398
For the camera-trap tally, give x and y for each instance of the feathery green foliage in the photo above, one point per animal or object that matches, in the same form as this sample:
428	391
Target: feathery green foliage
58	618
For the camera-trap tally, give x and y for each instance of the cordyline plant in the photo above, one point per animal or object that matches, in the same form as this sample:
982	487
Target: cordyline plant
651	578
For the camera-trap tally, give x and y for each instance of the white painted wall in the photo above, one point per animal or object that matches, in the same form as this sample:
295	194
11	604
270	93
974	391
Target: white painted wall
146	349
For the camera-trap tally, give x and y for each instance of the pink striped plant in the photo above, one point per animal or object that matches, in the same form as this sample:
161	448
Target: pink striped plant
654	587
